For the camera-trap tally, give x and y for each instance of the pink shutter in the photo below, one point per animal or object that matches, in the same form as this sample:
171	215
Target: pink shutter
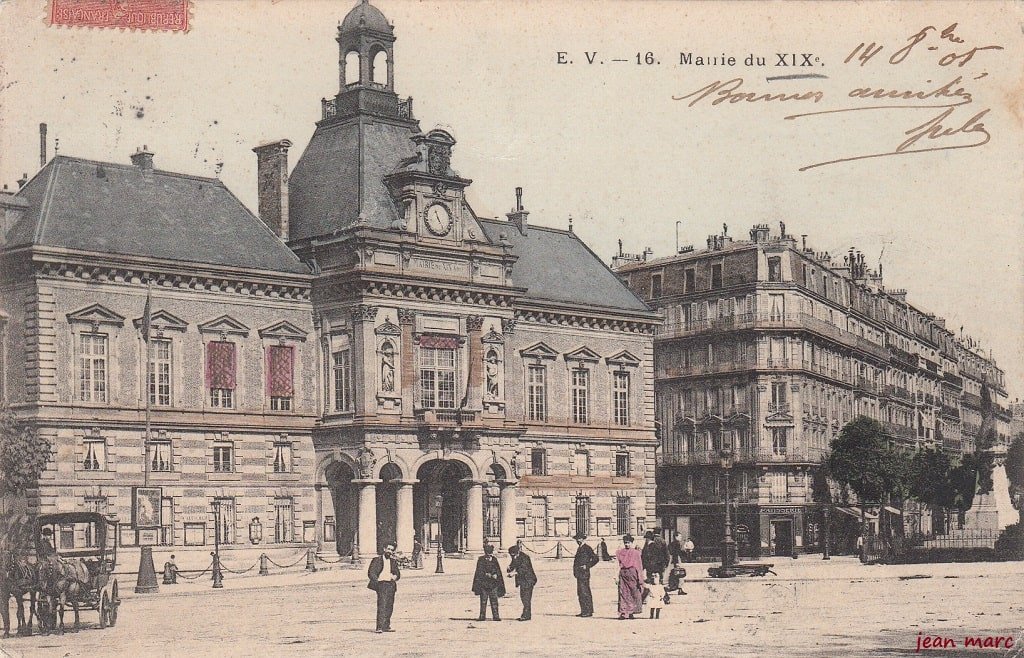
280	371
220	365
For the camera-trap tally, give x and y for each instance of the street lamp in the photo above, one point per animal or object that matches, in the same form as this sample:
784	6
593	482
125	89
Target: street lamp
439	501
218	577
728	543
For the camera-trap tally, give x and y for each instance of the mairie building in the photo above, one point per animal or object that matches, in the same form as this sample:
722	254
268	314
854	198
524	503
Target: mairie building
366	359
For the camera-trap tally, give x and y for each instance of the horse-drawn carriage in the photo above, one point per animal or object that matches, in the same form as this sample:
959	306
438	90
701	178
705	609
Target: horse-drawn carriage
81	571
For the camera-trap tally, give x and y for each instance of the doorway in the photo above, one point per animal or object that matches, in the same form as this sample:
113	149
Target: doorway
782	537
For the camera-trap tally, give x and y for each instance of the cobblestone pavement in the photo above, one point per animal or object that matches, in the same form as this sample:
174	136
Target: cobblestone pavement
812	608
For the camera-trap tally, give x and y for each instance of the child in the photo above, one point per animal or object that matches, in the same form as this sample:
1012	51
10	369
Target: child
654	592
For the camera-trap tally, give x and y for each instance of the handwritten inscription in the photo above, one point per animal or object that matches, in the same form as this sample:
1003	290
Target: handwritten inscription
952	123
970	641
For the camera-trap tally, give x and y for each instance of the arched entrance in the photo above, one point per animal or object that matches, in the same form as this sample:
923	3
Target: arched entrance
439	503
387	505
345	503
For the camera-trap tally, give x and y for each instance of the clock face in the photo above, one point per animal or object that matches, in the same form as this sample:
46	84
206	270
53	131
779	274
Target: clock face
438	220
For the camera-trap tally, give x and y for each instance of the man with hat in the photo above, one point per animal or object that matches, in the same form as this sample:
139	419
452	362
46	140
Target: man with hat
585	560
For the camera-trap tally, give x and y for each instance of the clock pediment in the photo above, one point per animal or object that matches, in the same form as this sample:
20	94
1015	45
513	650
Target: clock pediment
224	324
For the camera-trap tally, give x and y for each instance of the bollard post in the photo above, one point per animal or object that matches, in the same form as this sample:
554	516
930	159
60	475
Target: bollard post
146	583
218	577
264	565
355	552
558	551
310	560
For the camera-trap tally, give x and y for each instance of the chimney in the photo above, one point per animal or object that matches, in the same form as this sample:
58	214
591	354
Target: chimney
22	181
518	214
272	185
143	159
42	145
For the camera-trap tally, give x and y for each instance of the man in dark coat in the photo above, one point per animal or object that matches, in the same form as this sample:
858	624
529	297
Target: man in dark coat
647	558
525	579
585	560
675	549
384	575
659	554
488	583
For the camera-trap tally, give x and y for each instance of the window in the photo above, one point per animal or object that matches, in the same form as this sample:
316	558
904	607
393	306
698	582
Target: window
622	514
67	536
220	374
160	456
655	286
92	368
167	521
604	526
223	457
539	515
579	394
160	372
536	392
620	398
95	455
779	440
282	458
581	464
622	464
716	275
690	280
96	504
492	516
538	462
195	534
224	519
280	376
342	381
775	268
284	520
582	515
779	395
437	378
779	490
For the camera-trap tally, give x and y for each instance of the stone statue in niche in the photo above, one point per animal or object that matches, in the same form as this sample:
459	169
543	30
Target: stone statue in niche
387	367
517	465
491	373
366	462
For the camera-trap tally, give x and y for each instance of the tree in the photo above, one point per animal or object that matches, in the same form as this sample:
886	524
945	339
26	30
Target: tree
859	459
929	477
1015	462
23	454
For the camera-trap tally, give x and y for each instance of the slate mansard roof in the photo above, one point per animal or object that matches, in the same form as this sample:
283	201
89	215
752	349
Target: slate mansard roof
555	265
122	210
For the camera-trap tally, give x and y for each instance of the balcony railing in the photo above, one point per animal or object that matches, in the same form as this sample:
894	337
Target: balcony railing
898	392
772	321
949	410
744	456
953	379
778	408
446	416
899	431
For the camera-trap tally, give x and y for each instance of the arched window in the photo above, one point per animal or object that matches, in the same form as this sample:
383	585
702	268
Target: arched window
352	67
379	70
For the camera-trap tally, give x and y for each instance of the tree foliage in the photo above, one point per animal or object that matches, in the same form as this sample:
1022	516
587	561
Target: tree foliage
929	477
862	460
1015	462
23	454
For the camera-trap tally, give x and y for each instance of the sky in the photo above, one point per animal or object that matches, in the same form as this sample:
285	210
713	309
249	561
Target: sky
626	149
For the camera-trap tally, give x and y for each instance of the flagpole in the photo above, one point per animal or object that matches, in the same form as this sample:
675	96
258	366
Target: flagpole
146	580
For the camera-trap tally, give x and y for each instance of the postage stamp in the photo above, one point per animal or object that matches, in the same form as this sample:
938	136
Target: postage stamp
164	15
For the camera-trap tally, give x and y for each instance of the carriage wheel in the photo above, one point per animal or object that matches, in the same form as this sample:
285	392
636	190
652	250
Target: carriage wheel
104	609
115	603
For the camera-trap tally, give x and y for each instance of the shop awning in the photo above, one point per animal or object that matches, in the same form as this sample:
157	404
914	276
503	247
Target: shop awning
893	510
855	511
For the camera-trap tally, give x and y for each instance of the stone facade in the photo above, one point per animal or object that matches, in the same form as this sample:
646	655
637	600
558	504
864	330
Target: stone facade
769	349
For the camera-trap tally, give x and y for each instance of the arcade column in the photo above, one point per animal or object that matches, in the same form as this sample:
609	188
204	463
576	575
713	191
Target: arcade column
508	513
405	530
474	516
367	532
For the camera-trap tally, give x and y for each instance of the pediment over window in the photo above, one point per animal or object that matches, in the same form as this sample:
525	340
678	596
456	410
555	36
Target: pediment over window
163	321
283	329
95	315
624	358
225	324
539	351
492	336
389	328
779	419
583	354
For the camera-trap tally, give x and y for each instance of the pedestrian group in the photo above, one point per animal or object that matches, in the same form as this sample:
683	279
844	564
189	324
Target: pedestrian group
634	589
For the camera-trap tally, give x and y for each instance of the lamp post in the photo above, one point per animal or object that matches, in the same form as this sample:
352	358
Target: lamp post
728	543
218	577
439	501
824	533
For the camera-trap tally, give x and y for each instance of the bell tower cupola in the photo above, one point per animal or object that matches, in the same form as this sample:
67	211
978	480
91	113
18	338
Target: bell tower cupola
366	71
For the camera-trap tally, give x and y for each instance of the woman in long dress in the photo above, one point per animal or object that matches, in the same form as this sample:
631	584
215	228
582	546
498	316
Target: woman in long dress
630	577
